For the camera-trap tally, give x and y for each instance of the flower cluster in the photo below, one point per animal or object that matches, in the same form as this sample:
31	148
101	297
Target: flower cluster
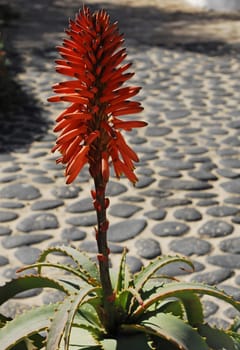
90	130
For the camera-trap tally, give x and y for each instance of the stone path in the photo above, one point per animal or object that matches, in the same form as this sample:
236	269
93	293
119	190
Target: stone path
187	200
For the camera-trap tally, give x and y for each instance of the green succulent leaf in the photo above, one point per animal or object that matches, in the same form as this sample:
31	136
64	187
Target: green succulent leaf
147	272
25	325
85	265
179	290
171	329
63	319
137	341
10	289
124	277
82	339
218	339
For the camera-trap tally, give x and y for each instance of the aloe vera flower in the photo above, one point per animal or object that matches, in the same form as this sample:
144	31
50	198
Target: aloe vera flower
90	128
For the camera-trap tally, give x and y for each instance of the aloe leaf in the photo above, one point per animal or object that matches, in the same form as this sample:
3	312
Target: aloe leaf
179	289
123	279
217	339
172	329
10	289
24	325
63	318
88	313
193	308
127	341
147	272
84	263
82	339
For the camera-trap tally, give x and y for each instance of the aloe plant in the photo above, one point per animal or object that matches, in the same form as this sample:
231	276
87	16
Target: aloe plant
103	308
150	311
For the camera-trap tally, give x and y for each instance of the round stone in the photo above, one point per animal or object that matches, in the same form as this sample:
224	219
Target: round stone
53	297
228	173
115	189
82	206
6	216
73	234
42	180
215	228
231	261
156	193
232	186
232	200
122	231
37	222
202	195
175	164
179	268
230	290
28	293
148	248
170	202
20	191
206	203
186	185
177	114
231	163
232	313
159	214
11	205
188	214
133	263
202	175
66	192
22	240
231	245
47	204
124	210
190	245
89	246
170	228
27	255
5	231
209	308
115	248
213	277
170	173
85	220
157	132
144	181
3	260
222	210
132	199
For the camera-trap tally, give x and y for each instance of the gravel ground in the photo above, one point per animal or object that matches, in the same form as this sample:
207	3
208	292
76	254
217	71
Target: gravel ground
187	200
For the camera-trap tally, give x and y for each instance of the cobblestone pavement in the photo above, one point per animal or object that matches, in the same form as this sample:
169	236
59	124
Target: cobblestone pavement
187	200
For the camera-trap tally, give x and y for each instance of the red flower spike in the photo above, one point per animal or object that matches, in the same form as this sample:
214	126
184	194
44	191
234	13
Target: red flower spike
89	128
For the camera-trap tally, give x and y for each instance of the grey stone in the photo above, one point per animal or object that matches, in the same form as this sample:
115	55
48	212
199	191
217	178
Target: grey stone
5	231
215	228
73	234
231	163
158	214
207	203
27	255
157	132
232	313
133	263
156	193
190	245
170	228
187	185
209	308
124	210
132	199
226	152
202	195
6	158
115	188
170	202
3	260
213	277
232	141
115	248
231	261
122	231
81	206
202	175
188	214
20	191
170	173
175	164
12	205
42	180
36	222
89	246
144	181
53	297
228	173
222	210
217	322
28	293
66	192
6	216
232	200
232	186
196	150
230	290
176	114
179	268
47	204
148	248
85	220
22	240
231	245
